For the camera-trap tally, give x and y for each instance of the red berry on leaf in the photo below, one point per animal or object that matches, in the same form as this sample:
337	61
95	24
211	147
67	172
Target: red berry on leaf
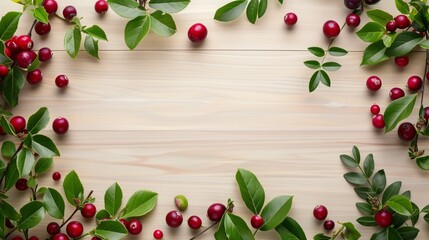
216	211
101	6
195	222
174	219
24	42
124	222
407	132
414	83
42	28
290	19
89	210
74	229
60	125
34	77
18	123
378	121
25	58
60	236
373	83
134	227
383	218
331	29
402	61
320	212
256	221
197	32
158	234
391	26
51	6
353	20
12	46
21	184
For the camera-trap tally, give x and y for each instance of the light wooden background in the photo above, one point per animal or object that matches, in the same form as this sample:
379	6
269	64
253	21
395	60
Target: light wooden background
179	119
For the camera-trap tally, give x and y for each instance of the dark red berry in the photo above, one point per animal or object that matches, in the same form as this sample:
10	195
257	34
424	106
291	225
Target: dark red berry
290	19
402	61
53	228
17	238
56	176
174	219
352	4
414	83
402	21
134	227
329	225
74	229
12	46
353	20
256	221
89	210
216	211
427	75
8	223
383	218
34	77
124	222
396	93
375	109
331	29
60	236
18	123
33	238
60	125
24	59
373	83
69	12
407	131
378	121
51	6
101	6
194	222
4	70
158	234
426	113
2	132
42	28
197	32
95	238
24	42
391	26
9	54
320	212
61	81
371	2
45	54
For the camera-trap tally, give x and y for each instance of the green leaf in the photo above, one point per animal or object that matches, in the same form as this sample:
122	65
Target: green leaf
96	32
91	46
316	78
9	211
236	228
402	6
40	14
368	221
401	205
43	165
54	203
2	226
319	236
355	178
220	234
408	233
416	214
2	167
290	229
31	215
34	65
162	24
403	44
331	66
31	182
102	215
426	218
324	78
25	162
312	64
38	120
368	165
12	84
336	51
262	8
252	11
136	30
9	24
8	148
251	190
230	11
316	51
356	153
379	16
351	233
126	8
392	190
140	203
389	38
72	41
169	6
399	110
379	181
365	208
73	188
423	162
113	199
375	53
364	192
349	161
111	229
44	146
424	44
371	32
275	212
12	175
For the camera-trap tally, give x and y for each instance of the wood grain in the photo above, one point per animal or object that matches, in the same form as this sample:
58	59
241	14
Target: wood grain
180	119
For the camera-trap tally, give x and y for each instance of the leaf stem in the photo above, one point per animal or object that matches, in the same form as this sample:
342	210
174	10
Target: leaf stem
369	183
338	232
205	230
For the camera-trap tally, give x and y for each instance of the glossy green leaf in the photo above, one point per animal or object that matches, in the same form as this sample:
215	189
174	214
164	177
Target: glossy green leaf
162	24
12	175
402	6
356	153
220	234
72	41
252	10
73	188
355	178
316	51
236	228
91	46
371	32
34	65
368	221
12	84
38	120
290	229
375	53
9	24
169	6
113	199
324	78
408	233
230	11
43	165
96	31
275	212
331	66
140	203
262	8
337	51
312	64
368	165
126	8
102	215
31	182
416	214
399	110
389	38
392	190
40	14
111	229
404	43
365	208
364	192
136	30
25	162
31	215
8	148
423	162
351	232
44	146
401	205
251	190
379	182
2	167
28	141
316	78
349	161
379	16
9	211
54	203
424	44
320	236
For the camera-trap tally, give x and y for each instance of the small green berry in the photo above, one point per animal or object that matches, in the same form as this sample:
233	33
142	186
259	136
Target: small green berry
181	202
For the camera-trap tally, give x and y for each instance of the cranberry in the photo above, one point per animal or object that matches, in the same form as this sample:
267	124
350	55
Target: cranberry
74	229
331	29
17	238
352	4
402	21
383	218
53	228
375	109
396	93
158	234
42	28
45	54
33	238
56	176
402	61
21	184
25	58
373	83
329	224
95	238
88	210
216	211
195	222
371	2
174	219
61	81
414	83
290	19
18	123
9	54
69	12
101	6
391	26
407	131
426	113
34	77
51	6
134	227
124	222
8	223
4	70
60	236
320	212
60	125
353	20
378	121
12	46
197	32
24	42
256	221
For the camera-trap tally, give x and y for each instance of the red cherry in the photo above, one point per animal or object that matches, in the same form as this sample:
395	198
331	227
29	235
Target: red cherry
174	219
402	21
375	109
414	83
320	212
124	222
195	222
4	70
391	26
378	121
51	6
18	123
158	234
95	238
402	61
53	228
101	6
383	218
60	236
12	46
9	54
69	12
24	42
197	32
45	54
290	19
331	29
396	93
89	210
62	81
373	83
74	229
353	20
256	221
426	113
134	227
216	211
25	58
42	28
329	225
34	77
21	184
407	132
56	176
60	125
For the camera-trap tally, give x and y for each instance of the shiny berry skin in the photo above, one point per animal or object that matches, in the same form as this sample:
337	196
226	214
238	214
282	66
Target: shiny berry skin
331	29
174	219
34	77
414	83
21	184
60	125
197	32
320	212
378	121
407	132
24	42
9	54
195	222
25	58
69	12
402	21
101	6
8	223
329	225
371	2
53	228
33	238
426	113
396	93
45	54
18	123
56	176
373	83
74	229
51	6
290	19
12	46
352	4
158	234
60	236
124	222
353	20
42	28
61	81
134	227
383	218
375	109
3	70
391	26
89	210
17	238
402	61
216	211
256	221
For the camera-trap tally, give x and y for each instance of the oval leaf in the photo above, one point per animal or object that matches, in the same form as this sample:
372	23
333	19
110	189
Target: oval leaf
44	146
374	53
9	24
336	51
169	6
91	46
371	32
113	199
236	228
290	229
331	66
38	120
379	182
96	31
252	11
368	165
54	203
73	188
379	16
398	110
392	190
423	162
316	51
25	162
140	203
31	215
162	24
111	229
230	11
349	161
126	8
72	41
251	190
312	64
275	212
43	165
136	30
401	205
355	178
403	44
8	149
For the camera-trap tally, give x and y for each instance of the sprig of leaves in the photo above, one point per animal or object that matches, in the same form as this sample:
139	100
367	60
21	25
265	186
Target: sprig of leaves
255	9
